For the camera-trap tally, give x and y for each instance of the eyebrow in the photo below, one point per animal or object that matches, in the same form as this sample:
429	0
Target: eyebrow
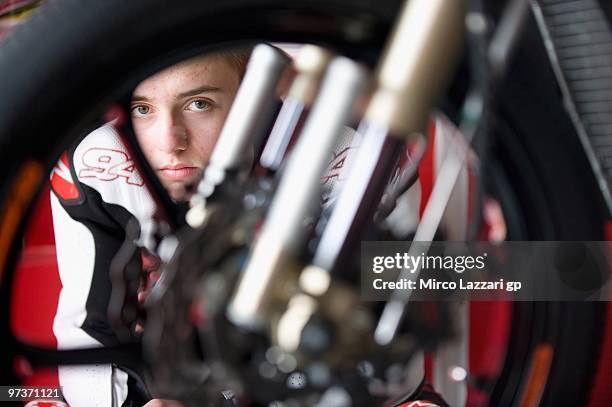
192	92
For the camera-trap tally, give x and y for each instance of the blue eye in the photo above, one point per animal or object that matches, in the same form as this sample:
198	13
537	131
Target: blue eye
200	105
141	110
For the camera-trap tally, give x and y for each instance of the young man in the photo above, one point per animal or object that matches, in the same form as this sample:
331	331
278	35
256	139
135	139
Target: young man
177	115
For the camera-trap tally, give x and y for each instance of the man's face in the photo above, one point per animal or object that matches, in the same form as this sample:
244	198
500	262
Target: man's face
178	114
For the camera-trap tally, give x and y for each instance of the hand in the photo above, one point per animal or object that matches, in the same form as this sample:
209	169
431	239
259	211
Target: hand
150	274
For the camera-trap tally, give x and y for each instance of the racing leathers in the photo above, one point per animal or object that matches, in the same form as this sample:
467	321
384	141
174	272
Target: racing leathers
96	190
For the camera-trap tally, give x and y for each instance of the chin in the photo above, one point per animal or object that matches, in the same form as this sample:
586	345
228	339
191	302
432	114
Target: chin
177	191
182	197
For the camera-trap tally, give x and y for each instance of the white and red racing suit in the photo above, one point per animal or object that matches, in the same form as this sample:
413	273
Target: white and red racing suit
96	190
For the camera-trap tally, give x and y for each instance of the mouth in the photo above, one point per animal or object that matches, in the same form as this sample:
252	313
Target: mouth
178	172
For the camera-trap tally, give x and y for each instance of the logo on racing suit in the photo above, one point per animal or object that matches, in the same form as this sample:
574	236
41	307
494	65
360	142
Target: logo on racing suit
419	403
335	166
62	182
106	164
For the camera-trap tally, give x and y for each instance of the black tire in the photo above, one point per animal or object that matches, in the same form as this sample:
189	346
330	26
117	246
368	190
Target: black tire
543	180
80	55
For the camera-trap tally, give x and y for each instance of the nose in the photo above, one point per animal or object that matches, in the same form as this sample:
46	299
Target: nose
172	135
